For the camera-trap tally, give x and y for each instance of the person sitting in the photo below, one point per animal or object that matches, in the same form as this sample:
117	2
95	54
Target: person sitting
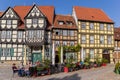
14	68
27	72
21	71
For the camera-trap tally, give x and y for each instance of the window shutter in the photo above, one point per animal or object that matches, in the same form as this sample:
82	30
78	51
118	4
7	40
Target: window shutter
12	51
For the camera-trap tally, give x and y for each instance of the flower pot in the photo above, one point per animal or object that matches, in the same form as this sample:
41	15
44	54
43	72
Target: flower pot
66	69
104	64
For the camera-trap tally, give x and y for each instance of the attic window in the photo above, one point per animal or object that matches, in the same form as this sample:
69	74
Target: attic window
69	23
60	22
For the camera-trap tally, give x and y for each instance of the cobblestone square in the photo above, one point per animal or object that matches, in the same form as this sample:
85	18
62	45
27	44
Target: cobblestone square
101	73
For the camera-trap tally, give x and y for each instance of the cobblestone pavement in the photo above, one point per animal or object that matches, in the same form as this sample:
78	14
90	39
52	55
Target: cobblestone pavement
102	73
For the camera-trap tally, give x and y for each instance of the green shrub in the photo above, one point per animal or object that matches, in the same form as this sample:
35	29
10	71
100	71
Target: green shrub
117	65
104	60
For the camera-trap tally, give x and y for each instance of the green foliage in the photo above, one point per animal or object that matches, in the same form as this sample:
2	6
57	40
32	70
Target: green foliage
117	65
104	60
98	59
68	65
77	48
47	62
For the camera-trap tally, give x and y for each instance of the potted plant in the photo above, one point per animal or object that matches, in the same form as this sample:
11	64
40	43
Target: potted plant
66	67
104	62
117	68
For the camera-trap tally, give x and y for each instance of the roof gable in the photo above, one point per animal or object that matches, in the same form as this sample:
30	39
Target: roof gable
92	14
48	11
35	12
10	13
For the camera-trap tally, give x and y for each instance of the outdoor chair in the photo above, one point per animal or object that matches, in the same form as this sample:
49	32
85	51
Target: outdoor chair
14	72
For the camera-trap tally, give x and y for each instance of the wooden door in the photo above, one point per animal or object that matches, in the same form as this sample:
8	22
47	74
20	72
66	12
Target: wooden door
107	56
36	57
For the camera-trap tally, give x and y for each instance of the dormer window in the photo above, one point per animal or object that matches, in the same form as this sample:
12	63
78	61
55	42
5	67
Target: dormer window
60	22
69	23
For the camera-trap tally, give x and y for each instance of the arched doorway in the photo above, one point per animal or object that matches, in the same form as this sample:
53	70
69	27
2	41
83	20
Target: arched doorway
106	55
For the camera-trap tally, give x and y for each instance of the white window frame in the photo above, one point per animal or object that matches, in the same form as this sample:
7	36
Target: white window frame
72	43
91	26
3	34
65	32
92	53
64	43
8	36
9	22
102	39
83	38
109	39
108	27
83	25
91	39
101	26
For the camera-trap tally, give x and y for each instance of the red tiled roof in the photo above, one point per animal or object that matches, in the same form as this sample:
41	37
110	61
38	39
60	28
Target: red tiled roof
117	33
92	14
64	18
48	11
1	14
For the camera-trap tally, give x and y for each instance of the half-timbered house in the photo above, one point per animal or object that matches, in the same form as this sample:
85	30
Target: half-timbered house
95	32
25	33
116	54
64	33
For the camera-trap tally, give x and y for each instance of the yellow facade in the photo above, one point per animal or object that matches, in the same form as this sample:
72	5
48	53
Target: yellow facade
96	33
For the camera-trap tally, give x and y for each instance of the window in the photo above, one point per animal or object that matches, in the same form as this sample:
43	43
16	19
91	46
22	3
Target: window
83	39
30	34
109	39
109	27
60	22
20	34
64	32
71	43
64	43
84	53
39	34
91	53
3	34
83	25
57	43
8	34
71	55
9	22
7	51
57	32
92	39
71	33
101	26
101	39
35	21
69	23
91	26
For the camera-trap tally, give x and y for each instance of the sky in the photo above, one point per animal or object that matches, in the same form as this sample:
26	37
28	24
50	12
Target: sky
110	7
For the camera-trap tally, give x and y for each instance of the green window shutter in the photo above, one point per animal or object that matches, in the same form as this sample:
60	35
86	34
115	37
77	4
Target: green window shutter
12	52
0	51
